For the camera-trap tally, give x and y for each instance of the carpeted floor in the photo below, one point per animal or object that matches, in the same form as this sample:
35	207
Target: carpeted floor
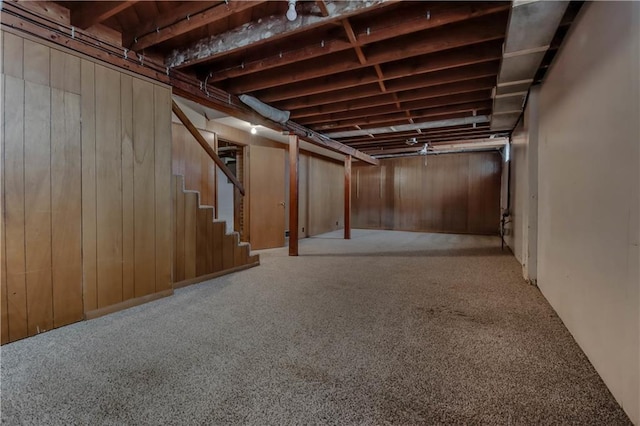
387	328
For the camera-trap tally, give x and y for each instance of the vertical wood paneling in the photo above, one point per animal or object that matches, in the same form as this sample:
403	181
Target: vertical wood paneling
4	317
190	218
66	208
126	138
89	214
36	63
13	168
179	241
303	196
13	52
65	72
267	211
163	223
108	186
451	193
325	195
201	240
217	237
144	188
72	202
37	183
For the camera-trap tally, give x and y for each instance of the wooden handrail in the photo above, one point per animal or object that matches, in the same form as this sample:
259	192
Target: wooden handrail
205	145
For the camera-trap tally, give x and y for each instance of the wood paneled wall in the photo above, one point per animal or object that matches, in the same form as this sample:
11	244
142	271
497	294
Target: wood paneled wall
202	246
458	193
192	162
87	187
325	195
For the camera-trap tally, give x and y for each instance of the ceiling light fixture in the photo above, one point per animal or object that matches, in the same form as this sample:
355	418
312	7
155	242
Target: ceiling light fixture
253	130
291	13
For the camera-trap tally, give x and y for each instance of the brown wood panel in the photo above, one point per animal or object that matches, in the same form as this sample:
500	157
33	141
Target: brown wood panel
36	63
190	217
444	193
178	149
326	196
65	72
267	210
202	217
162	138
347	197
128	187
228	246
13	51
89	196
108	186
144	188
303	196
14	198
484	193
294	182
179	229
4	318
66	208
37	183
192	162
217	238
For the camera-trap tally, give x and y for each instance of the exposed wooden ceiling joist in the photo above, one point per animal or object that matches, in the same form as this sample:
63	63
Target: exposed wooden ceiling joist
88	14
188	23
445	13
268	30
436	40
398	97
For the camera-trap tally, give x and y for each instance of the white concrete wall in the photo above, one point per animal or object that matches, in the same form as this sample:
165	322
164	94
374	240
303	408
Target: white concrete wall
588	189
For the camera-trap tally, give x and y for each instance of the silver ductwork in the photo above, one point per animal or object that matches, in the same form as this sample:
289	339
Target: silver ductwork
531	27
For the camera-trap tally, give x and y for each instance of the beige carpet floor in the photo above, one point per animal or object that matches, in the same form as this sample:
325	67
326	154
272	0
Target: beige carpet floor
386	328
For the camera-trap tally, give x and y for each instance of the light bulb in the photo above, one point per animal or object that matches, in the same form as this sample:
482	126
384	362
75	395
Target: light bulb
253	131
291	13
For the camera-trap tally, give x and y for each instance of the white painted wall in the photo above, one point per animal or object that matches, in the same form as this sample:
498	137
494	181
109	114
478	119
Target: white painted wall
588	189
225	199
519	186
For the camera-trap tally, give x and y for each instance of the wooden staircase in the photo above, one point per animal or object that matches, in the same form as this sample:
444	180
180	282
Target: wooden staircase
203	250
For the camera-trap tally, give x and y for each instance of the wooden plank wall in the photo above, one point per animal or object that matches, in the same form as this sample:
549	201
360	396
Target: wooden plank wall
457	193
192	162
325	195
86	188
202	246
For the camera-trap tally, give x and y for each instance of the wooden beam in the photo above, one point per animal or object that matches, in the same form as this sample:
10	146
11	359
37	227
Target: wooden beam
347	197
87	14
398	97
205	145
394	25
323	8
294	158
479	95
217	13
420	81
436	62
175	14
440	39
268	30
353	40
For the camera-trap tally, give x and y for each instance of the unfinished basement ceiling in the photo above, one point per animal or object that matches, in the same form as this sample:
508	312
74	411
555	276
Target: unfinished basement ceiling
363	73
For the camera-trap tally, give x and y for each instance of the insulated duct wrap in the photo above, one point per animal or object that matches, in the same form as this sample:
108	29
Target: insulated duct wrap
265	110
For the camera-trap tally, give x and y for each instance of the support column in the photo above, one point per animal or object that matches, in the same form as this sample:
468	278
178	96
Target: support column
347	197
294	156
